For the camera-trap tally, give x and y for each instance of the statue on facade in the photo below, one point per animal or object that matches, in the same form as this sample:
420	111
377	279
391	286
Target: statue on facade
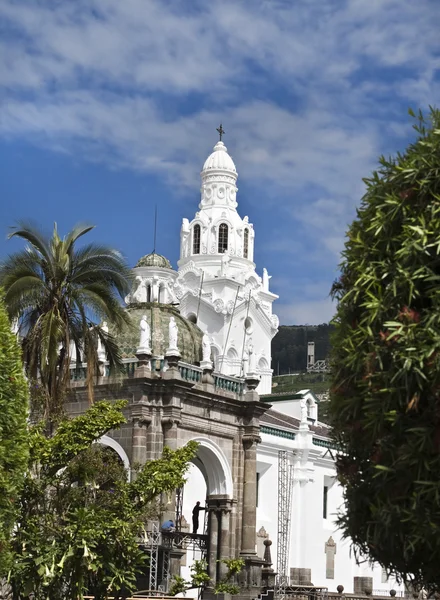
145	335
184	238
224	265
102	357
172	333
206	348
251	358
266	278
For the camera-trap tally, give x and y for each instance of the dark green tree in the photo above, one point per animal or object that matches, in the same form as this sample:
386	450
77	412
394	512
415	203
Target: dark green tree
385	395
13	433
59	294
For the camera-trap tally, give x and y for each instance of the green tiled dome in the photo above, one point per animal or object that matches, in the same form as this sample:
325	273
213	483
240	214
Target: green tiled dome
189	340
154	260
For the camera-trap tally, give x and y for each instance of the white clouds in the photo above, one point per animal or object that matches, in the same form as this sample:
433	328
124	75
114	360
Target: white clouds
310	93
308	312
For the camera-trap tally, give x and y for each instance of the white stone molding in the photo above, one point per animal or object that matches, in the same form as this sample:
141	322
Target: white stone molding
215	467
106	440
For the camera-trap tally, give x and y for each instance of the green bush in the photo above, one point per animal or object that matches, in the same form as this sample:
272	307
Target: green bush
13	439
385	394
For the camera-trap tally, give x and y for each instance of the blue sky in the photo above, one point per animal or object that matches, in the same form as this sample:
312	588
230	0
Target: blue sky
109	107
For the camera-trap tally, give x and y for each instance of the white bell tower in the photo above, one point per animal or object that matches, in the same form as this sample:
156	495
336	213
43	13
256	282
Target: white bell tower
217	284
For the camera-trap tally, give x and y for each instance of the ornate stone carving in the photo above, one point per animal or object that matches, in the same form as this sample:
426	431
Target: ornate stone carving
140	295
178	290
274	321
204	249
330	551
219	305
189	268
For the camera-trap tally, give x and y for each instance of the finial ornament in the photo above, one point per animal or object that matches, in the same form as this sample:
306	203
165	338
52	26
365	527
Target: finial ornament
221	131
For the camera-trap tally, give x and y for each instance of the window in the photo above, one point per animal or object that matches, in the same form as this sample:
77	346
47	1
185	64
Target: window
223	238
148	293
196	239
324	502
246	243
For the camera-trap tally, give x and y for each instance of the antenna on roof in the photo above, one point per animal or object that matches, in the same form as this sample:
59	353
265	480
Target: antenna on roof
155	229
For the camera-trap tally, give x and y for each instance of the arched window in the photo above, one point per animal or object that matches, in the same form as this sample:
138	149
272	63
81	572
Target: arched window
246	243
196	239
222	238
148	293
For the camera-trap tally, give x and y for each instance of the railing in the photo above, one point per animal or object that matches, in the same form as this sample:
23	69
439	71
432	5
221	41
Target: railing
229	383
80	373
278	432
191	373
324	443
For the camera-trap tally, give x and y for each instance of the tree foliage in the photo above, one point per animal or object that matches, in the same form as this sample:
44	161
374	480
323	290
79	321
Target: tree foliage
13	439
385	395
58	294
201	579
80	520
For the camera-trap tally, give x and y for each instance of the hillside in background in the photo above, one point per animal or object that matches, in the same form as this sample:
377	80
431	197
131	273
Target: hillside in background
318	383
289	346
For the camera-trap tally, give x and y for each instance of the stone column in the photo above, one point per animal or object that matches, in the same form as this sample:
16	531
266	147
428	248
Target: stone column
139	441
249	514
225	548
169	426
213	534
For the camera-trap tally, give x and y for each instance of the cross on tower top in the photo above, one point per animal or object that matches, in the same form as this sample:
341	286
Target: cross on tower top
221	131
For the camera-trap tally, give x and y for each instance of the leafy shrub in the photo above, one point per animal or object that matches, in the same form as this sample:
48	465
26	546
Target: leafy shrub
13	439
385	395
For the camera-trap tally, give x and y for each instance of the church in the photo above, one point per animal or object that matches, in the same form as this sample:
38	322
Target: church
198	367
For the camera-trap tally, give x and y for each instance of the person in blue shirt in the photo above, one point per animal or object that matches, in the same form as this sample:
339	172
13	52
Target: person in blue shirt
168	525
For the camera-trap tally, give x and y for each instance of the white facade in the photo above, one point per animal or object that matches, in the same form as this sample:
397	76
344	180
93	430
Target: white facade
217	284
311	525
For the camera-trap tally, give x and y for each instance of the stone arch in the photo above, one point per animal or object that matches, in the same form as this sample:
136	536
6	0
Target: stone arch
215	354
106	440
232	354
215	468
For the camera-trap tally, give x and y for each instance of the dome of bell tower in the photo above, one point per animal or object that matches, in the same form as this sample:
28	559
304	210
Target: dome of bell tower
219	160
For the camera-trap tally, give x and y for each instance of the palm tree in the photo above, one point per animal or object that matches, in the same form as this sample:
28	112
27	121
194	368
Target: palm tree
59	294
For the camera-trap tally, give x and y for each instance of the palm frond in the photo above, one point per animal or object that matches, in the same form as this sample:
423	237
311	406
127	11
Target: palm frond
32	234
79	230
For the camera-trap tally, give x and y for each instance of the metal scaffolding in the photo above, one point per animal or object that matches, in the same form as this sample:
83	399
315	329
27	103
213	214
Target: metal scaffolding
153	551
285	485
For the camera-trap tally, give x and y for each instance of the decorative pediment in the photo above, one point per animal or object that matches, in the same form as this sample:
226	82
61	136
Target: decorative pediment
189	268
